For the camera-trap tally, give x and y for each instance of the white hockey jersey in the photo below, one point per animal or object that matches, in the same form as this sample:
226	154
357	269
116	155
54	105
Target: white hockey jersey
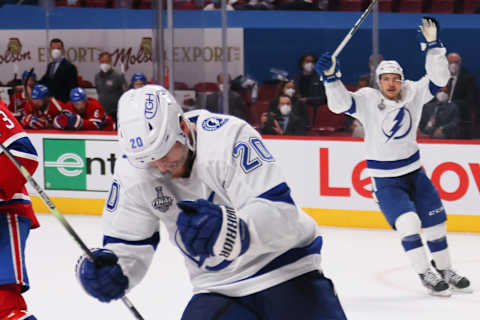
391	126
232	167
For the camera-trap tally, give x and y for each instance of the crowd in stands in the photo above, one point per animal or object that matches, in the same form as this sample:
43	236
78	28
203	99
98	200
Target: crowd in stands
438	6
282	106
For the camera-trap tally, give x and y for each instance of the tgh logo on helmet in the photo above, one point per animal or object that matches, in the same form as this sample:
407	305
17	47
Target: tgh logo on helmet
151	105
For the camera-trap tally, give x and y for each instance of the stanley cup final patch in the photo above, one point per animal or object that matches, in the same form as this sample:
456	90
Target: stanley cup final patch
162	202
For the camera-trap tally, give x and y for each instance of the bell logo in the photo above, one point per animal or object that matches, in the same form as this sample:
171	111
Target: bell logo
77	164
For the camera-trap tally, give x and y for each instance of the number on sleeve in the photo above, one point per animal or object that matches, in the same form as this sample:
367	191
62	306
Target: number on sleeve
112	200
6	119
244	151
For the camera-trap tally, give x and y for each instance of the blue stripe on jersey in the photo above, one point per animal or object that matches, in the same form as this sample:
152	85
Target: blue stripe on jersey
15	201
353	107
193	119
280	193
387	165
23	145
433	88
153	241
291	256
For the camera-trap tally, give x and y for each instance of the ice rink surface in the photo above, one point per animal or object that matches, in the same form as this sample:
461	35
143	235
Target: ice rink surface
369	268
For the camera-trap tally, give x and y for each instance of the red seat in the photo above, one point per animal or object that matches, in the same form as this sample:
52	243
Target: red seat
441	6
97	3
326	122
469	6
409	6
256	111
146	4
351	87
350	5
181	86
206	87
385	5
268	90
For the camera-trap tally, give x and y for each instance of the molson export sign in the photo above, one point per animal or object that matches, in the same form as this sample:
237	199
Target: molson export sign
78	164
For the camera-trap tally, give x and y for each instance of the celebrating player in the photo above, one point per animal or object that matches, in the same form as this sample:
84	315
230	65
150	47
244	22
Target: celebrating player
404	193
250	251
16	217
82	113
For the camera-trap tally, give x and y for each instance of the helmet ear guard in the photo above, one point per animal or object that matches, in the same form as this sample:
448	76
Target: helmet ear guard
149	124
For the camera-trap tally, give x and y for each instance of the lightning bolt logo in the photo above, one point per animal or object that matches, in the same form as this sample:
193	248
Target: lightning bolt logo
402	116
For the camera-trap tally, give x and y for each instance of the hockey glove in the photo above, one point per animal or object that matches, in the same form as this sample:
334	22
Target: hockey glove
208	229
33	122
102	279
427	34
68	120
327	66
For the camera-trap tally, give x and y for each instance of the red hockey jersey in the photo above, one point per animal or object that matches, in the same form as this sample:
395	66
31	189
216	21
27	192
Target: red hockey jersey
94	117
13	194
48	114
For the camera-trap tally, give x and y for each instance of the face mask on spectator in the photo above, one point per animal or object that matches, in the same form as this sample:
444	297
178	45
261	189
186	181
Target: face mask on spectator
442	96
454	68
56	53
285	109
220	87
290	92
308	67
105	67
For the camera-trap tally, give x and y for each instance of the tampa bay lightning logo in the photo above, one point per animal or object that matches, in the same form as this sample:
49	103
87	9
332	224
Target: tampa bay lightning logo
213	123
397	124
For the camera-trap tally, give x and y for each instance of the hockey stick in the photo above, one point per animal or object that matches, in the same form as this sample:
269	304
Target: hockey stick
25	85
354	29
55	102
62	220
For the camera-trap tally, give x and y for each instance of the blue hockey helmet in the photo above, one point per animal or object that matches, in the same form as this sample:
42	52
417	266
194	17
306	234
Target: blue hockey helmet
39	92
77	95
139	77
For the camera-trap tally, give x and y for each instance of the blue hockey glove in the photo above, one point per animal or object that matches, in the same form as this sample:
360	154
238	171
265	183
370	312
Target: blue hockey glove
102	279
208	229
427	34
328	67
67	120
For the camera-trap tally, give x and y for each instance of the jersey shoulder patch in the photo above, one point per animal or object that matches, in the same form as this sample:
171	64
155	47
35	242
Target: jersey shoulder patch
213	123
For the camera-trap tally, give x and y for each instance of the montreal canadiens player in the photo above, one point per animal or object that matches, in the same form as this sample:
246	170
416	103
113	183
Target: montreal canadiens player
16	217
390	116
83	113
250	251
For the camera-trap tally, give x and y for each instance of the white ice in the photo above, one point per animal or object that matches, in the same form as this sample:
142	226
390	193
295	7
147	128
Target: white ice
369	268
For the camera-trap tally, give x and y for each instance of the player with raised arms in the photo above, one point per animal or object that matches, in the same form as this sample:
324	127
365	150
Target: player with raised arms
390	116
251	253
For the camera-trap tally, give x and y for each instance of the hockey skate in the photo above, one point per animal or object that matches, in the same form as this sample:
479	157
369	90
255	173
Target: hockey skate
457	282
434	283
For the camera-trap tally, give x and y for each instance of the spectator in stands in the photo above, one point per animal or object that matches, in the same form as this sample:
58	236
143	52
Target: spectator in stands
83	113
110	85
301	5
216	5
462	90
284	121
138	80
440	118
61	75
235	102
41	110
255	5
287	88
307	83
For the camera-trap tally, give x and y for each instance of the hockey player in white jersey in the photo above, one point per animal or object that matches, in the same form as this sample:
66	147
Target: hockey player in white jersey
390	116
250	251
